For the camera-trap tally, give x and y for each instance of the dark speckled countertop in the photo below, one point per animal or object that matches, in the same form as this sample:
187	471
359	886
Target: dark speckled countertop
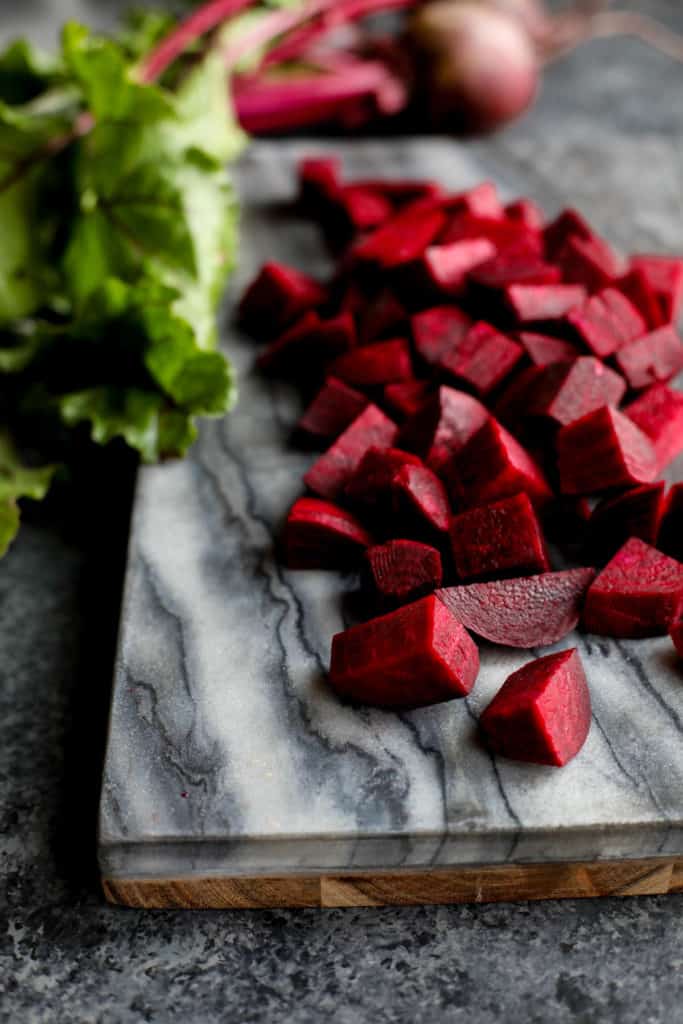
66	956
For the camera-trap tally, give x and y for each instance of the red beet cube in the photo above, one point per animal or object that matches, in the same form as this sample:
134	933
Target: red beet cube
607	322
330	474
658	412
508	268
438	330
531	611
676	634
588	261
383	316
483	359
501	539
638	593
372	479
403	238
635	513
365	208
421	499
526	212
543	350
654	357
310	343
480	201
332	410
406	397
640	292
443	426
319	182
276	297
532	303
503	233
374	365
542	713
664	274
402	192
403	570
415	656
564	392
443	269
569	222
320	535
603	449
670	536
493	465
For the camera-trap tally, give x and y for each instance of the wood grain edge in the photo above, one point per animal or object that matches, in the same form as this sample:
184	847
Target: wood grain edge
651	876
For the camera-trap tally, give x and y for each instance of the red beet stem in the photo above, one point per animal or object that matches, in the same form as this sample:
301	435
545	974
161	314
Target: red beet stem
205	18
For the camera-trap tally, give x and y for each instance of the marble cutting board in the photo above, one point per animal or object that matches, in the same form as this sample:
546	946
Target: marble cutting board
233	776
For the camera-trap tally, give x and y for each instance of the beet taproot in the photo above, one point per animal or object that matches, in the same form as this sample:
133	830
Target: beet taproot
402	571
664	274
437	330
412	657
500	539
505	234
329	474
526	212
529	611
564	392
443	426
384	362
568	223
541	349
606	322
420	500
372	478
542	712
277	296
635	513
320	535
535	303
443	269
403	238
658	413
588	261
638	290
482	360
603	450
512	267
639	593
333	409
654	358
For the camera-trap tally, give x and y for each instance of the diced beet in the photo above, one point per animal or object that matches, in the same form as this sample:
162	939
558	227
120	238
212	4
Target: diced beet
320	535
526	212
569	222
420	498
480	201
542	713
588	261
664	274
383	316
351	298
508	268
406	397
501	539
401	192
415	656
443	269
531	303
564	392
531	611
438	330
607	322
670	536
676	634
365	208
543	350
640	292
483	359
402	238
276	297
503	233
385	362
443	426
638	593
512	405
602	450
635	513
403	570
658	412
319	182
308	345
333	409
654	357
493	465
330	474
372	479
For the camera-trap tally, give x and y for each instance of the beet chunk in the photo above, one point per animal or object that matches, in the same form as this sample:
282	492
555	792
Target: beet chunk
402	238
383	316
438	330
332	410
658	412
372	479
638	593
530	611
421	499
385	362
542	350
406	397
567	223
412	657
320	535
443	269
670	536
443	426
664	274
480	201
503	538
676	634
564	392
636	513
588	261
403	570
653	358
514	267
494	465
526	212
542	713
305	347
607	322
277	296
531	303
639	291
329	475
506	235
602	450
483	359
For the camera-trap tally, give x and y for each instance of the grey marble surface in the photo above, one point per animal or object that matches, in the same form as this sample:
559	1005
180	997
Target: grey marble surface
65	956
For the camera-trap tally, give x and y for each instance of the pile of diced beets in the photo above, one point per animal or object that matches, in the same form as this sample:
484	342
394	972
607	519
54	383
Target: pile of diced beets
481	381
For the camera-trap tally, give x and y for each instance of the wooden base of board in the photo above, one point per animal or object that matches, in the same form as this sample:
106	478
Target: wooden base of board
406	888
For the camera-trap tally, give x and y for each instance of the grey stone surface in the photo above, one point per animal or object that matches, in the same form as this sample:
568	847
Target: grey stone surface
65	956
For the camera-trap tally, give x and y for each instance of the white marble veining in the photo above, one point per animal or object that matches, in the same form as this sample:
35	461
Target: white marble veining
227	752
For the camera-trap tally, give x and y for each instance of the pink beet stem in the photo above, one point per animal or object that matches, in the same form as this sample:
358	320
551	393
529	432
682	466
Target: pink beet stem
208	16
